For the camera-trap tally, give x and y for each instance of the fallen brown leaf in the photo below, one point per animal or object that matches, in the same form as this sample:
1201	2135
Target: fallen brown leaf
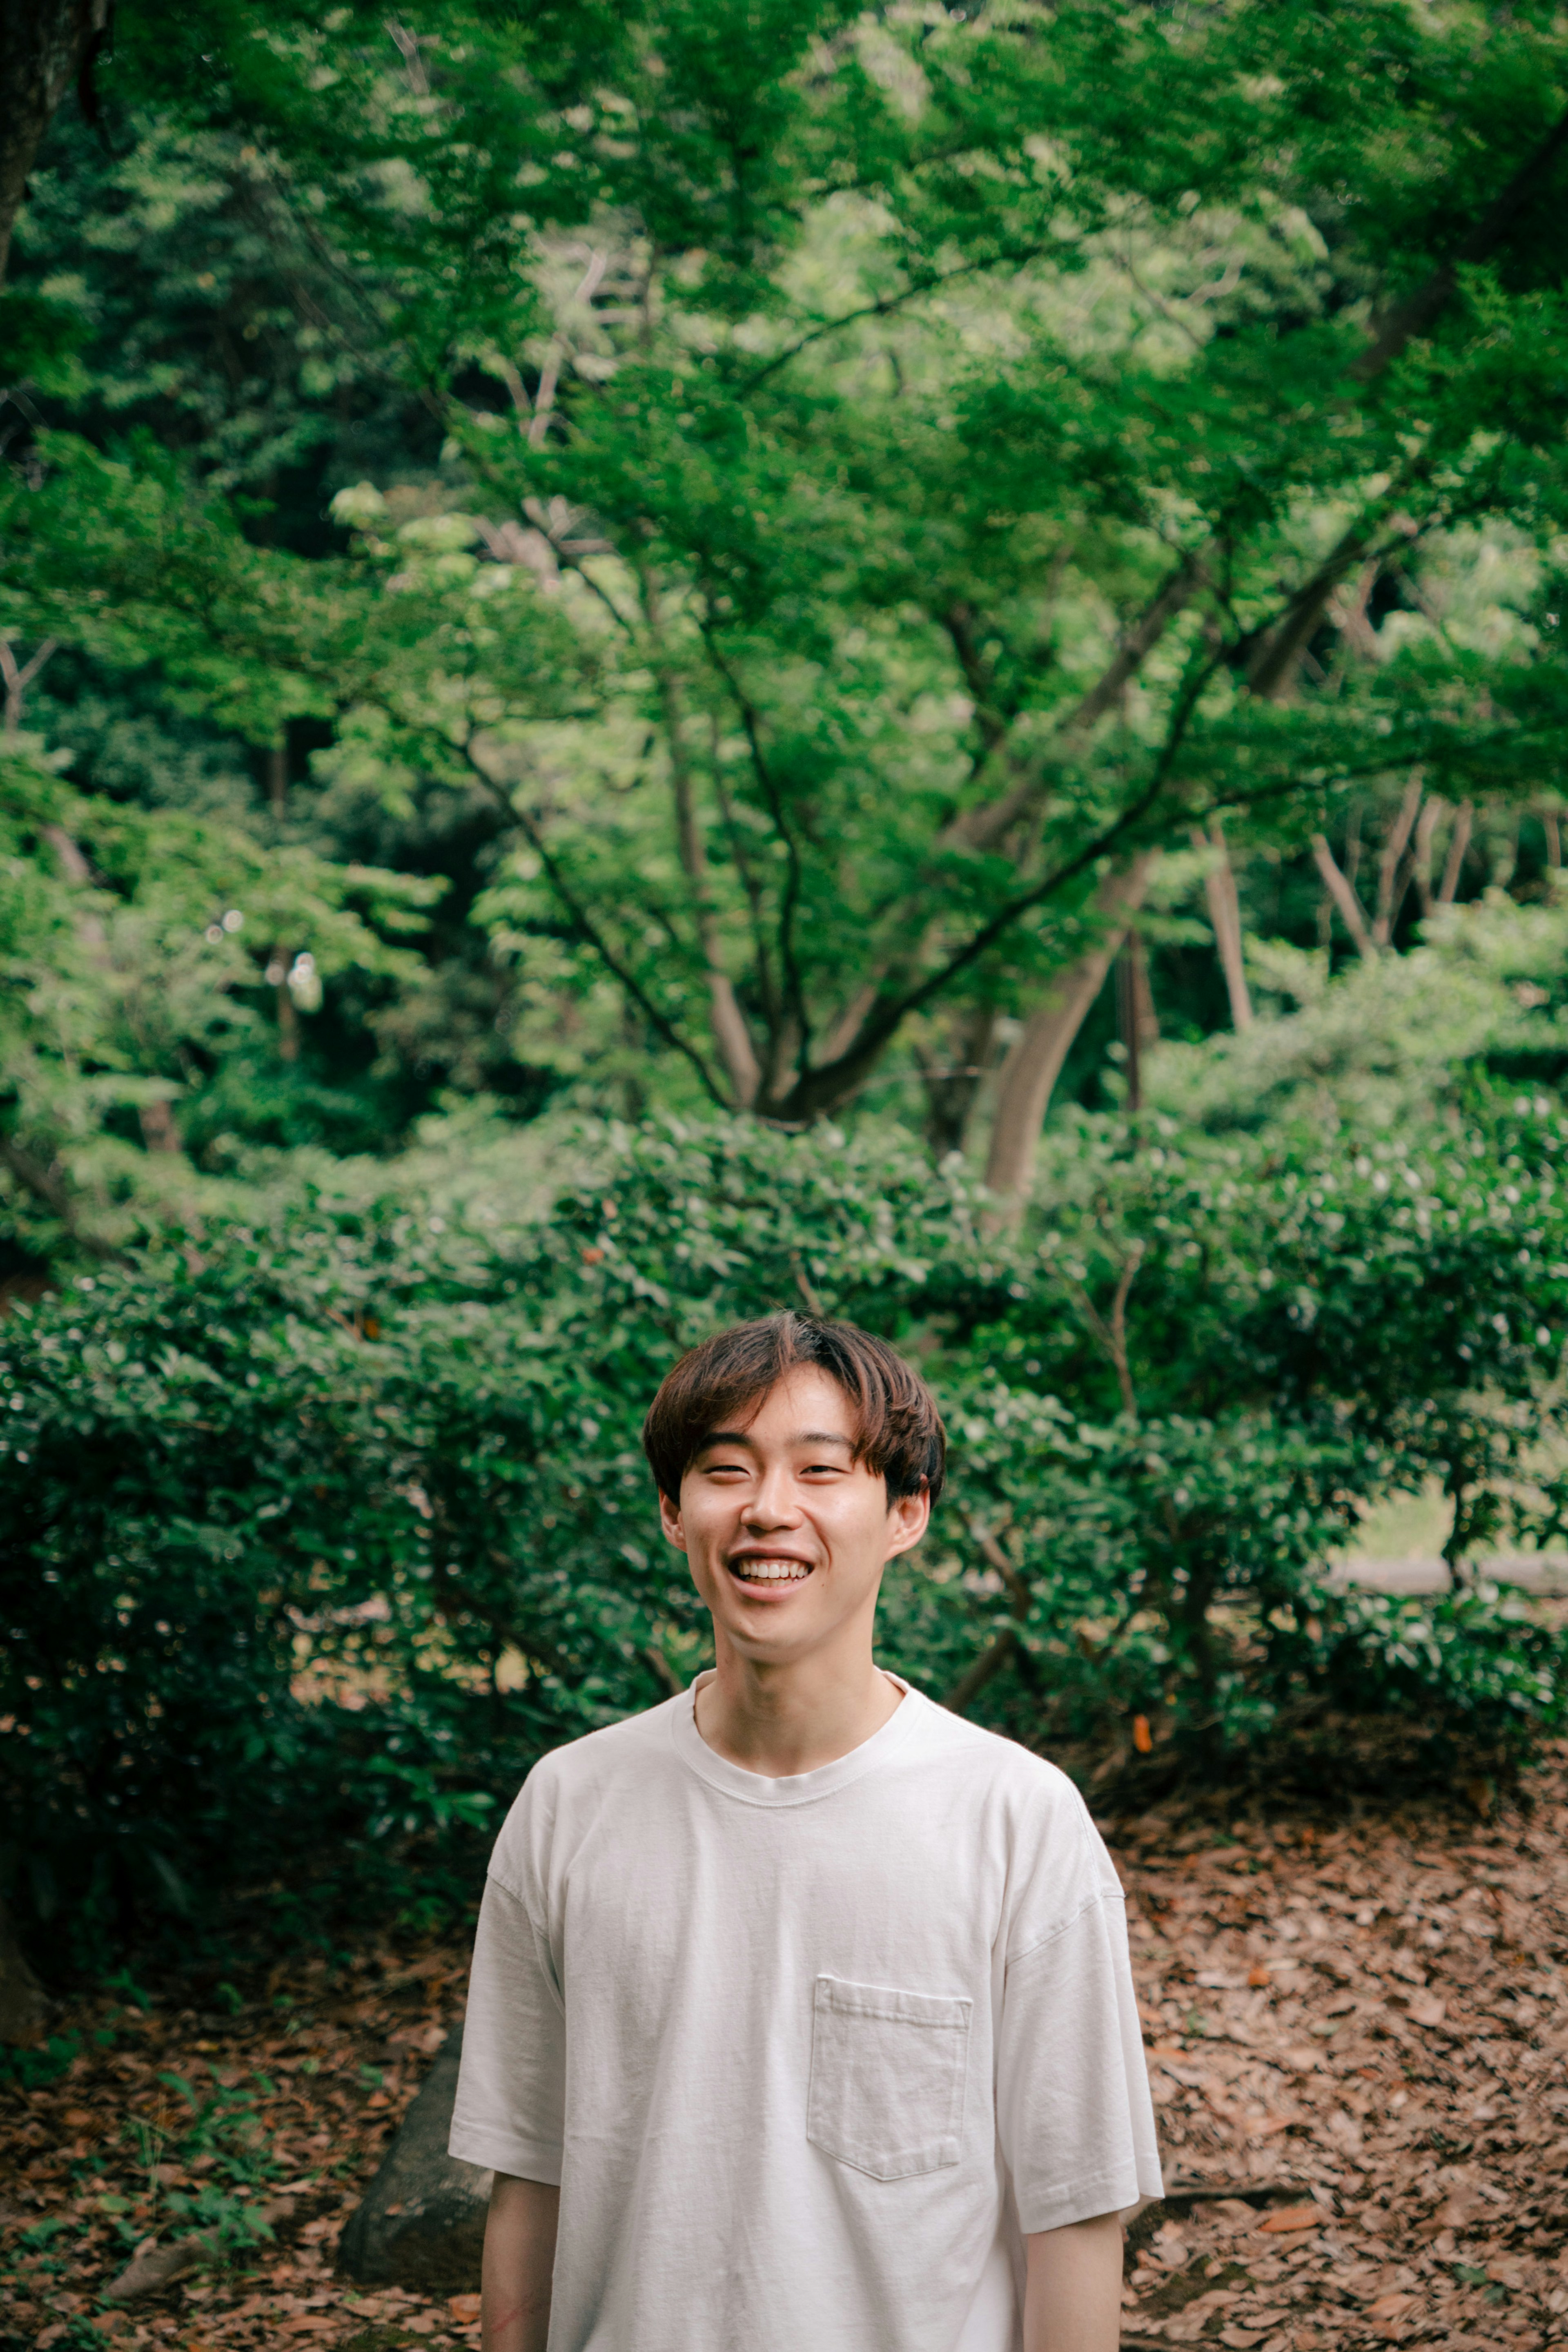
1290	2219
154	2268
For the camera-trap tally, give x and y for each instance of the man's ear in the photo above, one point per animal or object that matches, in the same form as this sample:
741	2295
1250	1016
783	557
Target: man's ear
670	1520
907	1520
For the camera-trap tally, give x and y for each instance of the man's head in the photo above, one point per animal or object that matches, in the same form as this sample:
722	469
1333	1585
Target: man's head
794	1458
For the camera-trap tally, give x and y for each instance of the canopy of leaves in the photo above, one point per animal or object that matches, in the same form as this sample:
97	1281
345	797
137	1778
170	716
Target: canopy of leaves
766	504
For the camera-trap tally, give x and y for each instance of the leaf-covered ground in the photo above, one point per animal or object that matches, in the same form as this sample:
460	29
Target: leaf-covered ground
1356	2035
1368	2021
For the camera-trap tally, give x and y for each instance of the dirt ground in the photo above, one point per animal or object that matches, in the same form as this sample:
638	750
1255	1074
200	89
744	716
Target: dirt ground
1355	2031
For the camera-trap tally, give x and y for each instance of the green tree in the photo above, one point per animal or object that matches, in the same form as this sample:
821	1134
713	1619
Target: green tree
883	485
951	440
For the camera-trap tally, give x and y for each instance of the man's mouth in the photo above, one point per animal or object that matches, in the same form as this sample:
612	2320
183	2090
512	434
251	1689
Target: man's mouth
769	1568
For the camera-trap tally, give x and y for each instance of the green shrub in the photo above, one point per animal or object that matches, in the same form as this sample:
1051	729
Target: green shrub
318	1534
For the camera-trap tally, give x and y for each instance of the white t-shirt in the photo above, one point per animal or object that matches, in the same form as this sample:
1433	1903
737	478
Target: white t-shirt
805	2055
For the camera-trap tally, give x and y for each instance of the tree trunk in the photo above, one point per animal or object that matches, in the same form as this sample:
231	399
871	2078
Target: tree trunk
288	1022
1225	915
1426	826
158	1130
44	44
952	1077
1393	875
1340	890
1034	1064
278	777
1137	1023
1458	846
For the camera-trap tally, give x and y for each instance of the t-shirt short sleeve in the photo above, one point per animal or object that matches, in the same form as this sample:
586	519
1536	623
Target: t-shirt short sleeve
511	2088
1073	2113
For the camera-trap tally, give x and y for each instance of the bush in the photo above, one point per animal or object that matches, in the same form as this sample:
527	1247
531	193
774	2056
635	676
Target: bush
318	1534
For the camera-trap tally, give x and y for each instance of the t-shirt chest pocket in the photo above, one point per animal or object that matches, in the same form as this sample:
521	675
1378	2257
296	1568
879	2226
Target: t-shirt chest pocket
888	2071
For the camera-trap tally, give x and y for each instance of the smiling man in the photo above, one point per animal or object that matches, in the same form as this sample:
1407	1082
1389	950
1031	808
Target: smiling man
801	2016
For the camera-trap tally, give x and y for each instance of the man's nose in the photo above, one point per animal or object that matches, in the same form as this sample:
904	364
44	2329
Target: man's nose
772	1502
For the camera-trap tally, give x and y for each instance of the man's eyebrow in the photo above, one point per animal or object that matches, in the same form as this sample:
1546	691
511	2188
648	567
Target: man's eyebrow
801	1437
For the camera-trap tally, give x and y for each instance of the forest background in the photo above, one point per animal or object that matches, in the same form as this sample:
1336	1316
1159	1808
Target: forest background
667	661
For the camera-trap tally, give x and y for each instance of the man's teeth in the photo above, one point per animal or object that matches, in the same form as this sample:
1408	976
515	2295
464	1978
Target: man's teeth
771	1572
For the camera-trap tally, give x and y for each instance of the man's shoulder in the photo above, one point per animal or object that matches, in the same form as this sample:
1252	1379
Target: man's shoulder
615	1748
998	1765
572	1786
1032	1818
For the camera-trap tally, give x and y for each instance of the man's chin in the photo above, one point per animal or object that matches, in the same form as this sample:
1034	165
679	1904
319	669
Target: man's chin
768	1631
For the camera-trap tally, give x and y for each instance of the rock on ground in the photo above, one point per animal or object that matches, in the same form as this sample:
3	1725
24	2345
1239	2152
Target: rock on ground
421	2223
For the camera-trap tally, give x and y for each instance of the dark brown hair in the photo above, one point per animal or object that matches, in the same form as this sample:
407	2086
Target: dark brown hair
898	1430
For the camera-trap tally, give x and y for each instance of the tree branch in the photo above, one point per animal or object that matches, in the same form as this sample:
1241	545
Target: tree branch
1112	1335
815	1090
794	986
17	681
1017	1591
1416	312
974	1678
959	621
657	1021
979	828
888	303
1343	897
772	1009
730	1033
1408	318
1279	649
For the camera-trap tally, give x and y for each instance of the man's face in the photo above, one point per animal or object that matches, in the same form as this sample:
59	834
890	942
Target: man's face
786	1532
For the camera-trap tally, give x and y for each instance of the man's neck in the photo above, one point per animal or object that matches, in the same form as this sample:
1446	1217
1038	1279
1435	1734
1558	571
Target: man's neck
782	1720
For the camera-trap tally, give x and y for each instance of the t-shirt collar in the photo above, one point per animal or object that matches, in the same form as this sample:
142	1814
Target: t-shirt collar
796	1788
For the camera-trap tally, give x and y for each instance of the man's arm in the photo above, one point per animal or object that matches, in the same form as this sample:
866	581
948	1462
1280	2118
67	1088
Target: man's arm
519	2255
1072	2302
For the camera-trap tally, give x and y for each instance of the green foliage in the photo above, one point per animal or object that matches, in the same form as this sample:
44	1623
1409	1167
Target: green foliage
1386	1046
137	950
30	2069
216	2129
321	1531
768	502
